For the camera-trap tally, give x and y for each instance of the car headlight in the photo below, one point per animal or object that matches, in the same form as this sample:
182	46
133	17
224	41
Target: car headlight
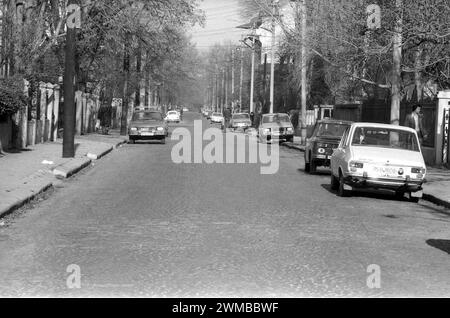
266	131
321	150
160	129
290	129
133	129
356	165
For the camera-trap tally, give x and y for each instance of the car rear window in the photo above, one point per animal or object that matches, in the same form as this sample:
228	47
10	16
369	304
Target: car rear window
385	138
331	129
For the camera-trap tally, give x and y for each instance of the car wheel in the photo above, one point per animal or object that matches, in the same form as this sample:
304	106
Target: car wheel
131	141
334	182
341	189
163	141
290	139
399	195
413	199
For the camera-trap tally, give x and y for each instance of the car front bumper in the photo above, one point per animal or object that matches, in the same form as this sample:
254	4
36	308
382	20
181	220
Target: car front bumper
278	137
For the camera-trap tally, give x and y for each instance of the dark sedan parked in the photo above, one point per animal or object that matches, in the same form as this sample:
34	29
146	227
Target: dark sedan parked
325	138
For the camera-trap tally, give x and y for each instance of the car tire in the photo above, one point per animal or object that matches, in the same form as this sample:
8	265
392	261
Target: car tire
163	141
290	139
131	141
334	183
399	195
341	190
413	199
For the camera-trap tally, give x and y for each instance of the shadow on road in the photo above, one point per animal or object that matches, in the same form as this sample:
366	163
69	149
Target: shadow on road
370	194
443	245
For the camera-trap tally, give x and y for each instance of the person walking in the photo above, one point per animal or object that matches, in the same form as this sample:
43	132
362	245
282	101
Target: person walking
414	120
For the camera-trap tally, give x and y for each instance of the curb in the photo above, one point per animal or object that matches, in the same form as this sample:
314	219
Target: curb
103	153
20	202
292	146
70	168
431	198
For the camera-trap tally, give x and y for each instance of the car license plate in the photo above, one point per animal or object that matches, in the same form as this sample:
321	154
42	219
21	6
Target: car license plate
147	134
386	171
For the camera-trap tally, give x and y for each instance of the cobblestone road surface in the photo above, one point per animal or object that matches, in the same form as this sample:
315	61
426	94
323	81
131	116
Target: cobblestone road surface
139	225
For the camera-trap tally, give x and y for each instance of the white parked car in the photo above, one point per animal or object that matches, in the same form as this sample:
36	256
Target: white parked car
173	116
379	156
217	118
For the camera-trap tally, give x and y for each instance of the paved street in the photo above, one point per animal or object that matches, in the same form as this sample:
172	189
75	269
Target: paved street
139	225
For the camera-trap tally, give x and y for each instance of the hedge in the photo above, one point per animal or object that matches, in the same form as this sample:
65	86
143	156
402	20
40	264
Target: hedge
12	98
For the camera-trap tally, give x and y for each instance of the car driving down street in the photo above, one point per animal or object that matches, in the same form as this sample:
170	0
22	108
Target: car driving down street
240	121
173	116
148	125
276	127
379	156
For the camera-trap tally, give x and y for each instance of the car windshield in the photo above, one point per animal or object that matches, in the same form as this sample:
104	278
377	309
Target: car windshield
385	138
331	129
276	119
241	116
172	113
217	115
147	116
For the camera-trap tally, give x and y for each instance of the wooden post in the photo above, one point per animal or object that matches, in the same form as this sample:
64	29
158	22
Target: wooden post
56	94
79	112
42	111
50	102
23	126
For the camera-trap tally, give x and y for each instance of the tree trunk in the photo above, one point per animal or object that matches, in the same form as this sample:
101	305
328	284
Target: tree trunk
418	74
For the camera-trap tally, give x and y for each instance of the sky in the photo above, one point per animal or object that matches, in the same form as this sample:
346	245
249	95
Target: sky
222	17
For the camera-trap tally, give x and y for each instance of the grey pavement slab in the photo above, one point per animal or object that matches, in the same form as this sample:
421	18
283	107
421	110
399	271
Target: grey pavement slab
25	174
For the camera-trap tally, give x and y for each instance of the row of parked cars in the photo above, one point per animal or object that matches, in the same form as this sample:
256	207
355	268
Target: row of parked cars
271	127
368	155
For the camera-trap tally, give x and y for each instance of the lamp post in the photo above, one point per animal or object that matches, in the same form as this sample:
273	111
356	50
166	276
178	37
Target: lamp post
272	57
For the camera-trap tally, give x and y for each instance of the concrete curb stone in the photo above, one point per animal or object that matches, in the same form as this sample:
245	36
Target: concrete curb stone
70	168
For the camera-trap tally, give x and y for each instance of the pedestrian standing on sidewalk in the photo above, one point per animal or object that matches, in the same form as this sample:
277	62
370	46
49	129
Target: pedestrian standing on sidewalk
414	120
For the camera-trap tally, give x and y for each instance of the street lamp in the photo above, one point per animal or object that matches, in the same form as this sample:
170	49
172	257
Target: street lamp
253	25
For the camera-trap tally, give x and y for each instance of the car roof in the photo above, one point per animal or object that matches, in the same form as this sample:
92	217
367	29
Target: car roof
274	114
335	121
241	114
386	126
146	111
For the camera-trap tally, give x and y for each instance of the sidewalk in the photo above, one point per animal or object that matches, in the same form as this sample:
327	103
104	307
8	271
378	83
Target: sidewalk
436	190
26	174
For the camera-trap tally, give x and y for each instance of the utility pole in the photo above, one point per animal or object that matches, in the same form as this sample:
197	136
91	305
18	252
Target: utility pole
222	100
125	99
73	22
397	61
233	97
241	79
226	85
272	57
302	122
252	84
